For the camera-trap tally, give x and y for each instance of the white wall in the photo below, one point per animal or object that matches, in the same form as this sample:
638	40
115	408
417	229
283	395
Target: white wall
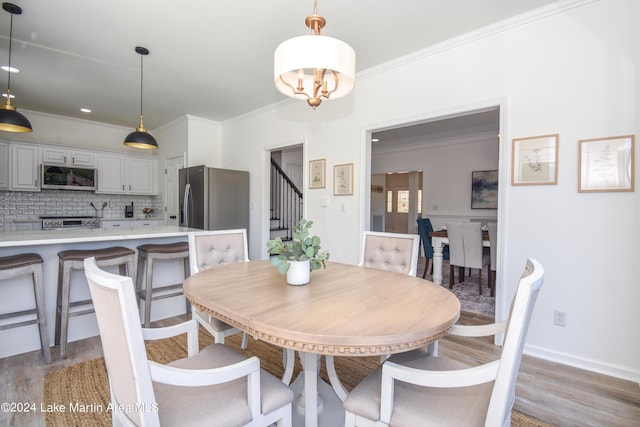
574	73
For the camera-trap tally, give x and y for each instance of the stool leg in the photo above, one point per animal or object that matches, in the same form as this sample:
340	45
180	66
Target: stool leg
139	276
148	291
64	311
186	274
59	303
42	318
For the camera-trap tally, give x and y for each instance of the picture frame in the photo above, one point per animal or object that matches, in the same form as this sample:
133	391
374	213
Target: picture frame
317	173
534	160
484	189
606	164
343	180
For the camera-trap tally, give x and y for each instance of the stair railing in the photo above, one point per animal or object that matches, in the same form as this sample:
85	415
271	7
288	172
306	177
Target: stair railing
286	201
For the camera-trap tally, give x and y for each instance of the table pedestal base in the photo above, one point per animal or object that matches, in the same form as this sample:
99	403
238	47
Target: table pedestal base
330	411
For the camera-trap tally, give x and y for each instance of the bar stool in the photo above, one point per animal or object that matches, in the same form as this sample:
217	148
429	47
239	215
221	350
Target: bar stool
147	254
73	259
18	265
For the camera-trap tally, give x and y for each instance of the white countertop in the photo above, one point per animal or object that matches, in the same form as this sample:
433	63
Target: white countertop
51	237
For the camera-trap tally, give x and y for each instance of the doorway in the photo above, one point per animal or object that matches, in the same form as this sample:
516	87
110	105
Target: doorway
446	149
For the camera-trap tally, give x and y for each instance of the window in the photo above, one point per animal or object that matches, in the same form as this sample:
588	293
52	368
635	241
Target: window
389	201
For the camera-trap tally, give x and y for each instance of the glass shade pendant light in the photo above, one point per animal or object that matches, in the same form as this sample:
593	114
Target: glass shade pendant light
141	138
314	67
10	119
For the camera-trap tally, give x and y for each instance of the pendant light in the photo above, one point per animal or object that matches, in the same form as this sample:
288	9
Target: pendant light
314	67
141	138
10	119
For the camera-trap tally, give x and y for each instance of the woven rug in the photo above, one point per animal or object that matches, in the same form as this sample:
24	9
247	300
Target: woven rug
83	389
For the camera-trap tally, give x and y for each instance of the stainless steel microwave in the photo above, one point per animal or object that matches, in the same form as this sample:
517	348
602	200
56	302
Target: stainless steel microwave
67	178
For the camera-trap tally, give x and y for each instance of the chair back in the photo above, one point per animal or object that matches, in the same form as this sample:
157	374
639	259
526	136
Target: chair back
465	244
425	228
217	247
391	251
503	395
493	239
123	345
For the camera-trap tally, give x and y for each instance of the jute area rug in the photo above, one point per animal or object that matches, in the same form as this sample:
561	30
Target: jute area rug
83	389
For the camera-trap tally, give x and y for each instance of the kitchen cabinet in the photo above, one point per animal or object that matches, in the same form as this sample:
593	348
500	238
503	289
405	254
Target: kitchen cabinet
126	175
61	156
25	161
4	165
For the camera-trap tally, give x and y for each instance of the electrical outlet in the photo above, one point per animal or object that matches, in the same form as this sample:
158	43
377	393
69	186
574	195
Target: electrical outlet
560	318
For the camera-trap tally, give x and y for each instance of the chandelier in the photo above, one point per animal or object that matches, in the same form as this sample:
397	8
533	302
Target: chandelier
314	67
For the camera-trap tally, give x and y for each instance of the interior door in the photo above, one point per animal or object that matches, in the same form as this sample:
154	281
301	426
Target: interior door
397	211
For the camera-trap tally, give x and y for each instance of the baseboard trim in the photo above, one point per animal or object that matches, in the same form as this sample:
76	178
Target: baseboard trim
616	371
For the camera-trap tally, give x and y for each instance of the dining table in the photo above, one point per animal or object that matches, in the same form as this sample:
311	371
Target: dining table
345	310
439	239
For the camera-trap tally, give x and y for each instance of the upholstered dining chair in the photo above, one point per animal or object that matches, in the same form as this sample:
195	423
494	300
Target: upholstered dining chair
492	228
214	386
390	251
425	228
415	388
465	250
209	249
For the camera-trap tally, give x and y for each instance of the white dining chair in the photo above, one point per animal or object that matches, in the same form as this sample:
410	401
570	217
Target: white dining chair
465	250
209	249
417	388
492	229
209	386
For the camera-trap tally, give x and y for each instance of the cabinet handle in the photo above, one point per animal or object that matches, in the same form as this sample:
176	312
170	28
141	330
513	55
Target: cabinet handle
122	187
116	225
73	160
129	187
65	159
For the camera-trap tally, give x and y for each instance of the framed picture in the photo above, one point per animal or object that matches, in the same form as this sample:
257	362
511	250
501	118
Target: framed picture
484	190
343	180
606	164
534	160
317	173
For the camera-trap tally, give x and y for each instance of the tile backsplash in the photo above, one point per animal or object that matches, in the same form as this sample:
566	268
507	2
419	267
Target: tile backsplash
29	206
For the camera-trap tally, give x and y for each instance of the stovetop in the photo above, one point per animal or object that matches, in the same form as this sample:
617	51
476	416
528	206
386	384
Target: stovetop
66	217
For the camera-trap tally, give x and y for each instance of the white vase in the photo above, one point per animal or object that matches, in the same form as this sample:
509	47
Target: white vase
298	273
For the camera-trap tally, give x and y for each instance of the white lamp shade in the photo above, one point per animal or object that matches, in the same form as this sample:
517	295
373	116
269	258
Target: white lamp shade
311	52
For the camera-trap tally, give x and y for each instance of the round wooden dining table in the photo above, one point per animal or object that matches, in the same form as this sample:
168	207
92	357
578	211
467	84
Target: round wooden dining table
345	310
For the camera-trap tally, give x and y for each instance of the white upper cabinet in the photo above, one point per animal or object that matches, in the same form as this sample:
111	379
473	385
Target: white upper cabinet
126	175
25	167
61	156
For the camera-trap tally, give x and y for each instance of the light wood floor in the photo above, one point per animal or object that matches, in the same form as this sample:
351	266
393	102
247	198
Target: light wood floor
554	393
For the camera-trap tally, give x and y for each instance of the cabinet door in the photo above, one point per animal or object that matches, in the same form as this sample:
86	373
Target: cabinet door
4	166
24	167
111	175
115	224
54	156
148	223
140	175
82	158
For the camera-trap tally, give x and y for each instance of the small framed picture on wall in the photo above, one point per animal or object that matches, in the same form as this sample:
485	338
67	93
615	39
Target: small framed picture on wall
317	173
606	164
343	180
534	160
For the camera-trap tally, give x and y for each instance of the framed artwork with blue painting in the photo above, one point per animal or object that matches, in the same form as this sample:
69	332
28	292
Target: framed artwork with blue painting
484	190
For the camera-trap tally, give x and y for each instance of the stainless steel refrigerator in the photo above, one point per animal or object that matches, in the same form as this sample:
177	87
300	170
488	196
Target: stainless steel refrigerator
213	199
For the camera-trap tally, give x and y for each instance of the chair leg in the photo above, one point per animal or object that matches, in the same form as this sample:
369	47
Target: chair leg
426	266
480	281
451	274
460	274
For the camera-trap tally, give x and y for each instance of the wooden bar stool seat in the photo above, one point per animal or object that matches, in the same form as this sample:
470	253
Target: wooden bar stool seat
147	254
73	259
31	264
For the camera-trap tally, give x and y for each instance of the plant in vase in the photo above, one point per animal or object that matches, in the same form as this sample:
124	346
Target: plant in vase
301	249
147	212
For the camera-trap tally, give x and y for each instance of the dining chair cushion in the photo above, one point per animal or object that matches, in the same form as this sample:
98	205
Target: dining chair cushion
397	254
219	249
226	405
455	406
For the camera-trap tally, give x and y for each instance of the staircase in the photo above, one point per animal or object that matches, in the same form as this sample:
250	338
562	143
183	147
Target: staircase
286	204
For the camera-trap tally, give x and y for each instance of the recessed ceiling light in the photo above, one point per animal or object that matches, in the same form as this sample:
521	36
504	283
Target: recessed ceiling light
10	69
85	110
4	95
375	139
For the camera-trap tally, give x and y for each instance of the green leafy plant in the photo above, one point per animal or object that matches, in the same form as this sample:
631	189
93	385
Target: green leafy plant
301	248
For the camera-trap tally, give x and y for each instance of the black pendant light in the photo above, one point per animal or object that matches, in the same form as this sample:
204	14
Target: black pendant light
10	119
141	138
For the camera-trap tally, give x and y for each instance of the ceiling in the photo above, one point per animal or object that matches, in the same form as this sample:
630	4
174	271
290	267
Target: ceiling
212	59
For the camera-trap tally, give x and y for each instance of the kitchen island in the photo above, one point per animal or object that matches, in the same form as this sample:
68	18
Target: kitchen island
17	294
